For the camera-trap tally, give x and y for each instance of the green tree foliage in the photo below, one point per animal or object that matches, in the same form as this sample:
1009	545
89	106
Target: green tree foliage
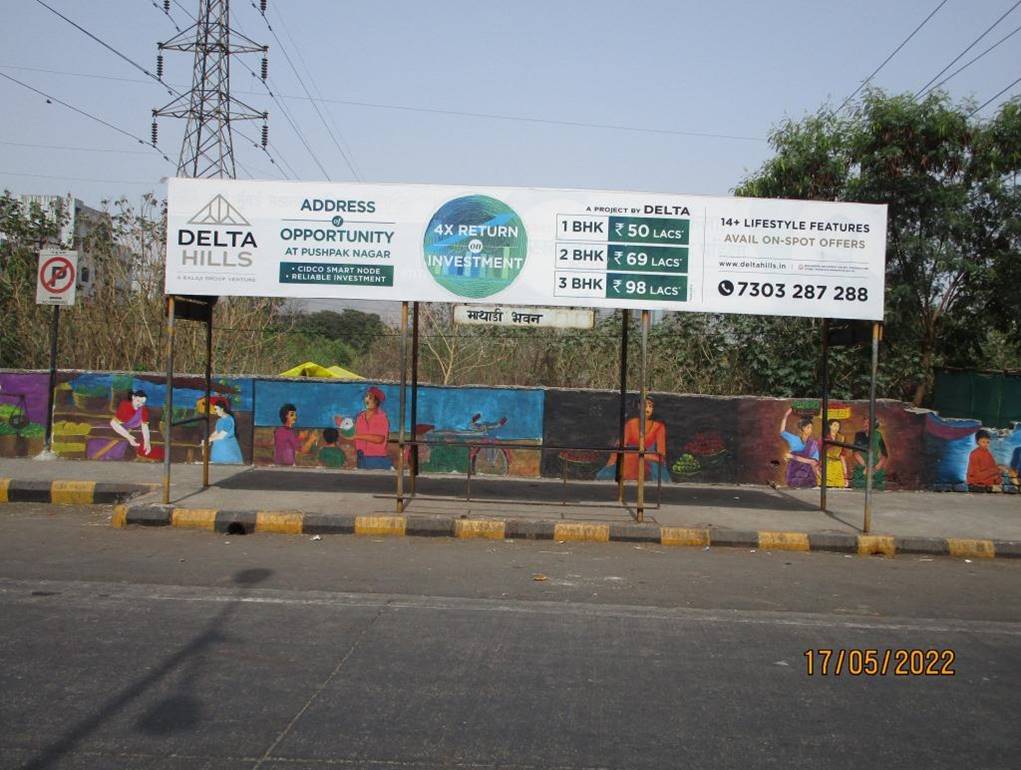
23	231
953	248
352	327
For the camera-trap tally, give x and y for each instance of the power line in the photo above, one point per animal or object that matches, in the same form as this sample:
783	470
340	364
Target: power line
963	67
437	111
887	59
75	149
77	178
962	53
315	85
288	117
304	88
994	98
103	43
88	115
172	91
166	12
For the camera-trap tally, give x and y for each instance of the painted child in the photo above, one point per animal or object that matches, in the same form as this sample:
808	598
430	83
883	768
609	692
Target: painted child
223	443
983	472
287	442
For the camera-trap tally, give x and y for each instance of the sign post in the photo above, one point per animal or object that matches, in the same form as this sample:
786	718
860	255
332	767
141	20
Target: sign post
55	285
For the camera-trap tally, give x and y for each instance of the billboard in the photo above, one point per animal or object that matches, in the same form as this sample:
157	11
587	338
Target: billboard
526	246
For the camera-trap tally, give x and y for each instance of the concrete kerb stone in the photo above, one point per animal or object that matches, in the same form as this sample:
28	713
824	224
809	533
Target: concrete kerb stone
1010	549
733	538
235	522
329	524
148	515
927	546
838	542
70	492
526	529
429	526
21	491
635	533
246	522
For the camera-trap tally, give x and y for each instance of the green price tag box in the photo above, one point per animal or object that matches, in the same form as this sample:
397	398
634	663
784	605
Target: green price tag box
648	259
669	288
649	230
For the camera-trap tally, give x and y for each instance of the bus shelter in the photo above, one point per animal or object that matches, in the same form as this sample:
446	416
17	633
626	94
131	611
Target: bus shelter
529	248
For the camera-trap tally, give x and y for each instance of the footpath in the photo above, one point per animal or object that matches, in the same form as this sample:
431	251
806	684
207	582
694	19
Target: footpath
242	499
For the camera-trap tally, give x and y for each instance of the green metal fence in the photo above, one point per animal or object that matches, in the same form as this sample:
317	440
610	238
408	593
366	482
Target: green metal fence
992	397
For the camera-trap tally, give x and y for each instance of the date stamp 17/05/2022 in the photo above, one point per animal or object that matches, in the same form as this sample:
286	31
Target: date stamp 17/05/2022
880	662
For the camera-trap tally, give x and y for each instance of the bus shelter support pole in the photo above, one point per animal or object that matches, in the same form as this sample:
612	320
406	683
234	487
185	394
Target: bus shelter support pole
206	448
403	407
825	411
625	318
640	506
870	454
414	395
168	403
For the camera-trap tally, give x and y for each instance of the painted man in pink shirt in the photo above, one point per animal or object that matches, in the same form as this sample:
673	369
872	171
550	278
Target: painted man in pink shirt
372	429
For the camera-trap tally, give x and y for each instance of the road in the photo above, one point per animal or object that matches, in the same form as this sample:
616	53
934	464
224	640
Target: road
176	649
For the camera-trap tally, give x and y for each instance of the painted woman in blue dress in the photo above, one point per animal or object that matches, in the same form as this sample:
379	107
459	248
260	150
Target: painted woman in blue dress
223	443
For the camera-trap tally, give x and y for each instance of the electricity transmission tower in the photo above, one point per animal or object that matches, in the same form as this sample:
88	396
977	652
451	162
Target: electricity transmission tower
208	146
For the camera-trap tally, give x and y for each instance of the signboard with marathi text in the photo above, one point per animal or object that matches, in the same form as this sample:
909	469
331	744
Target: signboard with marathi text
526	246
525	317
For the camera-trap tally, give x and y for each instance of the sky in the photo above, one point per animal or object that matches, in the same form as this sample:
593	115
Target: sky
672	96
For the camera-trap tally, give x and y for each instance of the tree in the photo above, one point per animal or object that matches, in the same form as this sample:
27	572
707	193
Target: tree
950	183
121	325
357	329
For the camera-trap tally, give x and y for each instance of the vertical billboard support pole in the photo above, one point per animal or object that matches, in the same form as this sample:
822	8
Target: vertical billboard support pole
414	394
54	331
209	393
168	402
870	454
625	320
825	411
403	407
640	507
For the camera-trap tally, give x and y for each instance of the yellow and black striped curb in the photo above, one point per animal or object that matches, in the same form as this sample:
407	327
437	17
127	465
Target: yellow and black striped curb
69	492
300	523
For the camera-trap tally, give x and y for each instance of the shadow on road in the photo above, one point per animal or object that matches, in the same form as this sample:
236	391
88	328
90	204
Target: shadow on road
176	713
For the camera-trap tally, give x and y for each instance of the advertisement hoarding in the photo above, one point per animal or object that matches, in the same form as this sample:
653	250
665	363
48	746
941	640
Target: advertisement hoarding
526	246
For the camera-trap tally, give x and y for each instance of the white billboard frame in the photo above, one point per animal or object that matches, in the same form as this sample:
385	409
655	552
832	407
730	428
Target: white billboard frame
526	246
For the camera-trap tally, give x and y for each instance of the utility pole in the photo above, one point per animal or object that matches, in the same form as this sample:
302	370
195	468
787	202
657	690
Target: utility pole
208	146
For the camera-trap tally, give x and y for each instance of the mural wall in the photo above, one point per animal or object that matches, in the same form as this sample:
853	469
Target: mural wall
345	425
121	417
692	438
524	432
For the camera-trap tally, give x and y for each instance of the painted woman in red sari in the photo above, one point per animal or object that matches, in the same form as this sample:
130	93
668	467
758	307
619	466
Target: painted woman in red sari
655	446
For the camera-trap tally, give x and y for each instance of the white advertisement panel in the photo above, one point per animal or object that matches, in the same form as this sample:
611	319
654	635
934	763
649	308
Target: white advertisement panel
525	246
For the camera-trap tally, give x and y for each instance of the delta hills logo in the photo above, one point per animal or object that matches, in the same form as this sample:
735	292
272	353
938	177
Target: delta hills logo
219	238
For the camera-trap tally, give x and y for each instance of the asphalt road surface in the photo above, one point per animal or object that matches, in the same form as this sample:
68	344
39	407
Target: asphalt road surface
165	648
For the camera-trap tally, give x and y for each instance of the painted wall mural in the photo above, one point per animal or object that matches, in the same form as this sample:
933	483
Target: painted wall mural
524	432
961	456
781	444
345	425
112	416
690	438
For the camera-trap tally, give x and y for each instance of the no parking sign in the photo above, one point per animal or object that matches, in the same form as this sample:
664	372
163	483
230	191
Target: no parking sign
57	276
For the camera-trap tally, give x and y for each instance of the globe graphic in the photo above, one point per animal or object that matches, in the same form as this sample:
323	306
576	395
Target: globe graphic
475	246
